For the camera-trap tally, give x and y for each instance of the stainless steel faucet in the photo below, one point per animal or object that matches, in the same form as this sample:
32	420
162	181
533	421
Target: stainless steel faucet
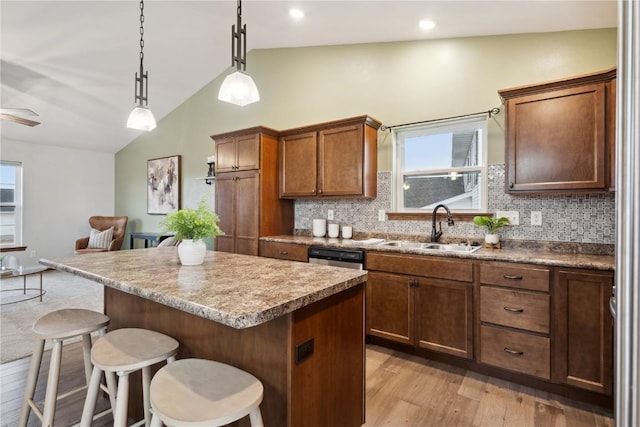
435	235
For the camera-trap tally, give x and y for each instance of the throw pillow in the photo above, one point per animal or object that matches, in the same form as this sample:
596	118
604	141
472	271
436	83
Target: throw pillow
100	239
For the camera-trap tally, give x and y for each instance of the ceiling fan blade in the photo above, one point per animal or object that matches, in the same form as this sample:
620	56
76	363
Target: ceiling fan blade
16	119
18	111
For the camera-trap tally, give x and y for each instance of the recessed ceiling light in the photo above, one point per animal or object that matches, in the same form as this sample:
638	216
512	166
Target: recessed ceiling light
296	13
427	24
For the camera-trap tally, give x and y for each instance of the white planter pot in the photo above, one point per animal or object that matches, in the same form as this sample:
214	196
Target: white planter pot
492	238
192	252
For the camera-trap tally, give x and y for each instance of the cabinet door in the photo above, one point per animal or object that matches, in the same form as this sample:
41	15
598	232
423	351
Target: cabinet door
583	355
248	152
611	132
247	212
556	140
225	208
444	317
341	161
389	300
298	165
225	155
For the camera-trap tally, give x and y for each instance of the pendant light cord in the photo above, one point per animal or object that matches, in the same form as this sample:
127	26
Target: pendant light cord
141	32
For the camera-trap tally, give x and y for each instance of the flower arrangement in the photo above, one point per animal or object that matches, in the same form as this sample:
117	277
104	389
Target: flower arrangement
492	224
193	224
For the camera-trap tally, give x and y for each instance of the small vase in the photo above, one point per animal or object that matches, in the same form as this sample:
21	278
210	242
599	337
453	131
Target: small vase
492	238
192	252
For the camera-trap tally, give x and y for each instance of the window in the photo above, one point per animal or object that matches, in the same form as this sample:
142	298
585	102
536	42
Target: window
442	162
10	204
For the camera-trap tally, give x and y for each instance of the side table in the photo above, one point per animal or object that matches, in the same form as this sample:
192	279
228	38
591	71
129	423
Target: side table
24	272
151	236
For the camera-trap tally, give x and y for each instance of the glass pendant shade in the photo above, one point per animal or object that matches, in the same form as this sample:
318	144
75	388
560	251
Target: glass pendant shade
141	118
238	88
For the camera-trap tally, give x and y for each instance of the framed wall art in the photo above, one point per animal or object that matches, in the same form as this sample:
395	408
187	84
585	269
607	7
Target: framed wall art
163	185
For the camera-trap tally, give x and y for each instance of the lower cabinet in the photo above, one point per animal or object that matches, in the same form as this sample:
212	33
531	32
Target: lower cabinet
550	324
286	251
583	355
434	313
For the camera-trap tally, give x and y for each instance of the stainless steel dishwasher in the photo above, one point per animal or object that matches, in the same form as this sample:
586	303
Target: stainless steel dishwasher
337	257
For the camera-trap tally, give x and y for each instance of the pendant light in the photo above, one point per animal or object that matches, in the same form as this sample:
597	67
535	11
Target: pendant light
238	87
141	117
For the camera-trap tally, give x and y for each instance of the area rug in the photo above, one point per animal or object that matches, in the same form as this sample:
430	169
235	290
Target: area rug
63	290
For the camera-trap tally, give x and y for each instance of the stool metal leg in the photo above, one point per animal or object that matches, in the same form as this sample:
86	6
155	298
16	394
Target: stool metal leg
32	380
51	395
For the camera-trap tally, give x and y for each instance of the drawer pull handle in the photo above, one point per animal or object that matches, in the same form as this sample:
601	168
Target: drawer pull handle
507	276
514	352
284	253
513	310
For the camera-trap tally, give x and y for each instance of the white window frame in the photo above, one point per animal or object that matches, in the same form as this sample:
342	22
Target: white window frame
441	126
18	198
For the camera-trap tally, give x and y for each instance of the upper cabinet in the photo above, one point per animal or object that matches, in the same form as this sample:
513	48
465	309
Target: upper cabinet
334	159
237	152
559	134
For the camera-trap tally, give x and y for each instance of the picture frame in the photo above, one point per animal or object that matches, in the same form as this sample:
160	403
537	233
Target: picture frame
163	185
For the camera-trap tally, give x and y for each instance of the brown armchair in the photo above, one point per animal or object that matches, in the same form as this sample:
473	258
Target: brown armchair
102	223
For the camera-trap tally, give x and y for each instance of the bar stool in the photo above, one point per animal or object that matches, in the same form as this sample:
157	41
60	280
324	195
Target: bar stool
197	392
58	326
122	352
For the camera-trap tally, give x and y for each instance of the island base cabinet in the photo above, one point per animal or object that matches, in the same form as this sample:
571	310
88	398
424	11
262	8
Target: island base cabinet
325	388
584	330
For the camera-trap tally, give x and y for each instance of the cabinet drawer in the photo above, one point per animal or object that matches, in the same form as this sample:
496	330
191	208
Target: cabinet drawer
515	351
288	251
515	276
434	267
518	309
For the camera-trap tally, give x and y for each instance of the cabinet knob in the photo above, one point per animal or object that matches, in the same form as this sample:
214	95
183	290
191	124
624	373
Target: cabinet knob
511	185
413	283
513	310
320	191
284	253
509	277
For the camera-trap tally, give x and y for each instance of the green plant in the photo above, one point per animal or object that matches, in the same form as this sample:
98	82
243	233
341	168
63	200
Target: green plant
492	224
193	223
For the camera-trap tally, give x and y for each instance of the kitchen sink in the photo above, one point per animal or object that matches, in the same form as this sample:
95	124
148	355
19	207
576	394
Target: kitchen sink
439	247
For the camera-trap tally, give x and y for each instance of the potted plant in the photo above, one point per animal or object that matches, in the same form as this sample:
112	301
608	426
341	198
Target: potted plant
493	225
191	226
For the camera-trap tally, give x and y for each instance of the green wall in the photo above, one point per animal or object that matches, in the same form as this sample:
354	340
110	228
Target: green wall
394	82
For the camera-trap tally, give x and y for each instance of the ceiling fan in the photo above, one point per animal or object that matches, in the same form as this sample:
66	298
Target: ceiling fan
16	115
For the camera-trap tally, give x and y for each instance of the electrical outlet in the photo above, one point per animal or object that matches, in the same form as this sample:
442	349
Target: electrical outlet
513	216
382	215
304	350
32	254
536	217
330	214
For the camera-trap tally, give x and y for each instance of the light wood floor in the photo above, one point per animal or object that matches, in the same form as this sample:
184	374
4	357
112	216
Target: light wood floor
402	390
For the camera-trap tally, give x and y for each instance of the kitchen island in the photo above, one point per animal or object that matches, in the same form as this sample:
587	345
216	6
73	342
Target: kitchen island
297	327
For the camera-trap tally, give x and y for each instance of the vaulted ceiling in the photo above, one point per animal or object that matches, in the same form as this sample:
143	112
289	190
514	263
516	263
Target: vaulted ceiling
73	61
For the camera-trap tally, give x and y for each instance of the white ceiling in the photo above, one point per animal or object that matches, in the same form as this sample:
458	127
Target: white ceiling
73	62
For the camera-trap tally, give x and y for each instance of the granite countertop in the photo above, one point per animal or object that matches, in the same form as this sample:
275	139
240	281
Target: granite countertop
236	290
572	255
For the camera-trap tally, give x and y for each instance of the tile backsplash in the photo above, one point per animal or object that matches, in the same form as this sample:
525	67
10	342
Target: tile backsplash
584	218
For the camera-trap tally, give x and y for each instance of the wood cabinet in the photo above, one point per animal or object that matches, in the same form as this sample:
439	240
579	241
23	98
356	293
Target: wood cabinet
287	251
557	135
333	159
515	318
238	152
246	190
425	302
583	355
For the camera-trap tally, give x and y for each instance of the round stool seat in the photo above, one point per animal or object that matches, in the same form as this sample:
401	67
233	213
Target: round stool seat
69	322
130	349
197	392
